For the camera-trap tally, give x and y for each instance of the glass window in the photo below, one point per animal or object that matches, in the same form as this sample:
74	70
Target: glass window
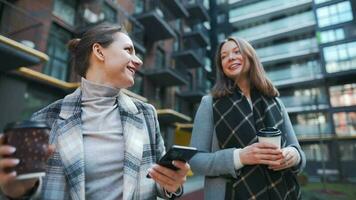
109	13
58	52
343	95
345	123
160	58
316	152
65	10
139	6
304	97
340	57
310	124
320	1
347	151
334	14
138	86
332	35
35	98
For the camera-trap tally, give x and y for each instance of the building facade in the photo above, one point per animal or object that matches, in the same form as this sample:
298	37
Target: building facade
171	37
308	49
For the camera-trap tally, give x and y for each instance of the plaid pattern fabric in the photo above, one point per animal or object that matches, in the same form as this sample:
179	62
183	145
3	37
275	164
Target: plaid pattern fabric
236	126
65	172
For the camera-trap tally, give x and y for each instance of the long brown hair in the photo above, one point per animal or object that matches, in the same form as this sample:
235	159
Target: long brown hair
258	79
82	48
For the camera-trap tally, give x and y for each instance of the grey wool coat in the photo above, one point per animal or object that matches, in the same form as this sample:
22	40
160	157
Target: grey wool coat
65	177
213	161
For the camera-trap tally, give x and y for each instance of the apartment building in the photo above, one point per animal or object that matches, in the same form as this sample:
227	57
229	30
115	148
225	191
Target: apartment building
308	49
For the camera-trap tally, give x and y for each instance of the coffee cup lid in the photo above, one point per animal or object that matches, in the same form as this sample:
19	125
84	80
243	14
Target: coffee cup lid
26	124
269	132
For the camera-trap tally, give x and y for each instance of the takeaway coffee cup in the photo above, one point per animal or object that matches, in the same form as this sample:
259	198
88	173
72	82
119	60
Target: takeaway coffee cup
30	138
270	135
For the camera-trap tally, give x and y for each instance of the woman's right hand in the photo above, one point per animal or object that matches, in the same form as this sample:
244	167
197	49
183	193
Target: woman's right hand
8	183
260	153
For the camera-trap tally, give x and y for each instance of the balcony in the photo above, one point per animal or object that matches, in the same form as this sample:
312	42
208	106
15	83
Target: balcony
170	116
312	130
264	10
197	11
166	77
295	73
156	28
198	36
136	32
291	26
176	8
188	59
285	51
19	38
194	94
305	103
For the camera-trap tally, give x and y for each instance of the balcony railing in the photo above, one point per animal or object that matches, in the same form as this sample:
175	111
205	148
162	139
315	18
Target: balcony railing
292	23
19	25
263	8
312	130
287	50
297	72
305	101
20	35
198	11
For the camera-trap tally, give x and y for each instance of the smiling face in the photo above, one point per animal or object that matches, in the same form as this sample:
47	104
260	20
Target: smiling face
119	62
233	63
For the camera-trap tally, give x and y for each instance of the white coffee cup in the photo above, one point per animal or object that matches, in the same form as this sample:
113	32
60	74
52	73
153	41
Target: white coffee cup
270	135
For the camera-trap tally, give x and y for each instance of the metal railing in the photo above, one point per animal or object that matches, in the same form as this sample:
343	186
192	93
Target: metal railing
306	70
19	25
306	45
278	26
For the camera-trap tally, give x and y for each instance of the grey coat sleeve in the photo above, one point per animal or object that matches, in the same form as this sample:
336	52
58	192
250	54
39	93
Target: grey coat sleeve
210	161
291	138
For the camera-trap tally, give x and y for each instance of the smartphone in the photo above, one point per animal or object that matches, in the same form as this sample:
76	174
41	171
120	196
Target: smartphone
176	152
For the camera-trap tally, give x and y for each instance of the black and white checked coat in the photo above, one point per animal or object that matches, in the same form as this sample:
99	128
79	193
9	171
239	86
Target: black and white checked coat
216	161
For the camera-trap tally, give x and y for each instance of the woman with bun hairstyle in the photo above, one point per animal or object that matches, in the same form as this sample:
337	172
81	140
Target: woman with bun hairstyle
106	142
243	101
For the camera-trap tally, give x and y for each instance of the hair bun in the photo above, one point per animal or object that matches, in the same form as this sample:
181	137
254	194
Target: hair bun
73	44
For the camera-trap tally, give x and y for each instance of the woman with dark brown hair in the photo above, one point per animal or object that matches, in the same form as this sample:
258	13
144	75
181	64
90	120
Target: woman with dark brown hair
105	141
242	102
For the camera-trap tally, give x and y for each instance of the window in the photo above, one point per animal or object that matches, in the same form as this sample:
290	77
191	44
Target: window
332	35
138	86
343	95
348	151
35	98
65	10
340	57
345	123
304	97
316	152
160	58
221	18
109	13
310	124
320	1
58	52
139	6
334	14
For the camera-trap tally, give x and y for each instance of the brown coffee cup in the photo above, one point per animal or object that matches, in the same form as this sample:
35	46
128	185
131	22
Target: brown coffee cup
30	138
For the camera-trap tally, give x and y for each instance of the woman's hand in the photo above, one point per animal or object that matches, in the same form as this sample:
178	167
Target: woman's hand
261	153
8	183
169	179
290	158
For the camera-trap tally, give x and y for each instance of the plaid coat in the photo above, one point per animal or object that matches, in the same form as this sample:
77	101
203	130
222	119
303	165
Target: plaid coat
65	178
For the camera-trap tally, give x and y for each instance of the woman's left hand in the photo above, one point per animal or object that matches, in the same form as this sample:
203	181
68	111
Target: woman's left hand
290	158
169	179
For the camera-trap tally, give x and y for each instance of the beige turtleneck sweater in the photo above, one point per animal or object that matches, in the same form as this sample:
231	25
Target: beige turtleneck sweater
103	142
